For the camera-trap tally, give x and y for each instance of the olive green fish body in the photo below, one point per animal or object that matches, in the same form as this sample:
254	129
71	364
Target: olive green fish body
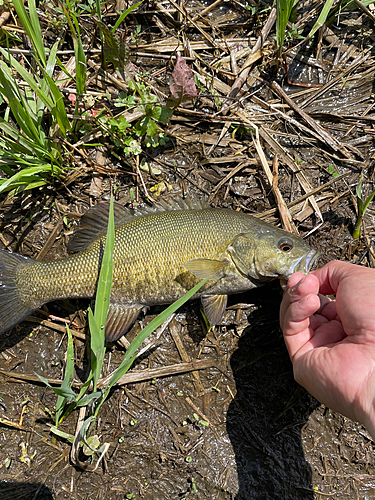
157	257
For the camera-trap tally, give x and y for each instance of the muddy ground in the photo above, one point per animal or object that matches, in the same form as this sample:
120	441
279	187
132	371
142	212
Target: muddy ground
243	428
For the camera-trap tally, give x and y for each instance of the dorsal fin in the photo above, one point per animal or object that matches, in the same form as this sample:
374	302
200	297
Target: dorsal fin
93	224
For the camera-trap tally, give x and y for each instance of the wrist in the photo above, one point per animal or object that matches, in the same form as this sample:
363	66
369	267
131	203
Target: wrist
369	422
366	410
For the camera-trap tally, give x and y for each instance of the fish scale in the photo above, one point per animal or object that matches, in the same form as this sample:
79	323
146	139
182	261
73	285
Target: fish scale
158	255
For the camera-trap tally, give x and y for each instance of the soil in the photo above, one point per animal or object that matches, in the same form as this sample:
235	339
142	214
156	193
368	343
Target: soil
241	429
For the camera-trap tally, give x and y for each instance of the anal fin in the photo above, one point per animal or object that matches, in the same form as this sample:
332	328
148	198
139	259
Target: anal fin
119	320
214	307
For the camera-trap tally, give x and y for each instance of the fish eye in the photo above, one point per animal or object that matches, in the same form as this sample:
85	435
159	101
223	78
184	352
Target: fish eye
285	244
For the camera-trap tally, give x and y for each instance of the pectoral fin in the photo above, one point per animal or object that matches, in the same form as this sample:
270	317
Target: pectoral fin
214	307
206	268
119	320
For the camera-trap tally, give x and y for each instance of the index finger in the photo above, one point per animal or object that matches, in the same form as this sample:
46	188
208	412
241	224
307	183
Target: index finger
298	286
333	273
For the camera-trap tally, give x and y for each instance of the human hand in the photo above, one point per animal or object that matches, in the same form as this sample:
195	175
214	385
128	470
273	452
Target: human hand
332	342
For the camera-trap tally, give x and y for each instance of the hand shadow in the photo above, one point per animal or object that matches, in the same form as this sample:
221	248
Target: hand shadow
12	490
265	418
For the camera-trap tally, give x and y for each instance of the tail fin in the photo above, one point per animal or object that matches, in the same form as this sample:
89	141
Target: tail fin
12	308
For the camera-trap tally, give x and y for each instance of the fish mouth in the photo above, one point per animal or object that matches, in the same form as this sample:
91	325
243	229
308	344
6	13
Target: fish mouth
305	263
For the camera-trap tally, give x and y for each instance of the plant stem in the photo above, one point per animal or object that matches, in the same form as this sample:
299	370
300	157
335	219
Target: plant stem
357	227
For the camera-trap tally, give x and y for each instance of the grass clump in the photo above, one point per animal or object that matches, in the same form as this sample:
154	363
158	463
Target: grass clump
36	129
363	205
35	116
286	12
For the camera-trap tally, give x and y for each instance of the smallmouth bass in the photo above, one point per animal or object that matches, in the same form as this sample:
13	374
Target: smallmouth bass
159	254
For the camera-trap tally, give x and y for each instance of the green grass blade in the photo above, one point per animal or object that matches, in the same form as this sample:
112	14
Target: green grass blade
68	377
22	113
283	11
106	272
81	64
18	142
89	398
38	37
84	387
322	18
58	109
25	177
13	143
56	105
32	27
79	52
359	187
66	391
51	63
64	435
124	15
340	7
140	338
368	201
34	85
102	300
4	166
98	9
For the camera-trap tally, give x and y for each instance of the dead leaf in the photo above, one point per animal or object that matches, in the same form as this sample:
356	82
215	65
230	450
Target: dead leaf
181	84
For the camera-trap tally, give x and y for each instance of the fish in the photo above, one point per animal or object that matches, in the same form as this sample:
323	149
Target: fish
159	254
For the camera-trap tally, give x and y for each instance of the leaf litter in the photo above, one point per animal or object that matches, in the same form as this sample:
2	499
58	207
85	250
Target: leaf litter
287	140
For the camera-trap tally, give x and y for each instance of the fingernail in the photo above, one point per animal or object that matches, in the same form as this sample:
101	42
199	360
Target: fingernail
295	287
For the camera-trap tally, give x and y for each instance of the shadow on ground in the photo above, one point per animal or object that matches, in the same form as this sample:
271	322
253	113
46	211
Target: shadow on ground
11	490
265	418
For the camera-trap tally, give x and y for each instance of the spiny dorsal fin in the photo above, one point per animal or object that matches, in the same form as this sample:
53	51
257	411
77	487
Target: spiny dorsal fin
93	224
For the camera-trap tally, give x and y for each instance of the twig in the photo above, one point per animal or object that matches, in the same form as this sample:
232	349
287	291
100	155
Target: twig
364	9
165	371
9	423
233	172
155	338
129	378
283	209
207	9
54	326
323	134
184	13
306	186
50	241
360	59
141	179
197	410
240	80
317	190
183	354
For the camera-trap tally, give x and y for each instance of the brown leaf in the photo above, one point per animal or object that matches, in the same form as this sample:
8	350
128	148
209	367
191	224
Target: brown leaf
181	84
